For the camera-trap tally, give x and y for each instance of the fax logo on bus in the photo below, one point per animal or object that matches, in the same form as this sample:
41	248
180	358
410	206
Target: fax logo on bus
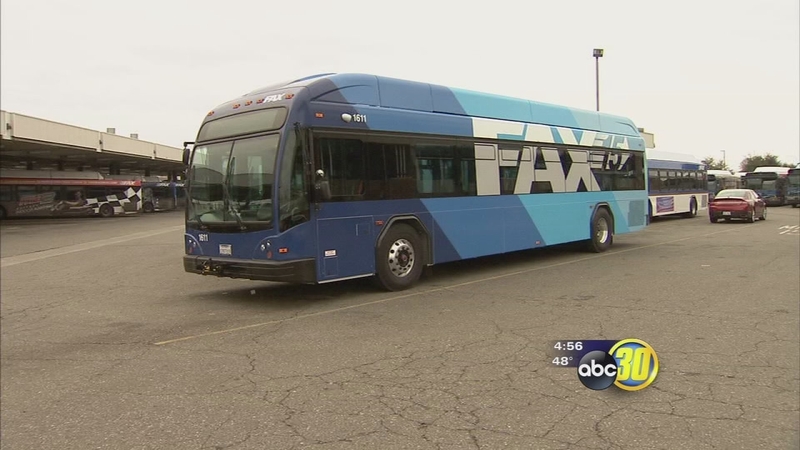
275	98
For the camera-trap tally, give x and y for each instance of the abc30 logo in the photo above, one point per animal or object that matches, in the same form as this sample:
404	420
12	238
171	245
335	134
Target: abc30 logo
631	365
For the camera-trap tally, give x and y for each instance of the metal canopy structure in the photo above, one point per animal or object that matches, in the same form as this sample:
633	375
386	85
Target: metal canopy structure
28	142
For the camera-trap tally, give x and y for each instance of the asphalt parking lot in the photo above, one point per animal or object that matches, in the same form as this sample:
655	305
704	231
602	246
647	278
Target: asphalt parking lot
107	343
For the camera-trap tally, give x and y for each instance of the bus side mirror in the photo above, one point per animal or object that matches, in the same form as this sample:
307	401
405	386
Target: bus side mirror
186	152
322	186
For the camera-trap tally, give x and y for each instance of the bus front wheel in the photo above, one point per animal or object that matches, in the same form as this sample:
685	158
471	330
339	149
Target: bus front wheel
602	228
399	258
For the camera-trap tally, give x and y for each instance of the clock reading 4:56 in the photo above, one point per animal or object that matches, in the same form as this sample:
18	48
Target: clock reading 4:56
568	346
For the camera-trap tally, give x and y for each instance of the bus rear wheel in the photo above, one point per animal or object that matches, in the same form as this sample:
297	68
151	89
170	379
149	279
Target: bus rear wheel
602	227
692	209
399	258
106	210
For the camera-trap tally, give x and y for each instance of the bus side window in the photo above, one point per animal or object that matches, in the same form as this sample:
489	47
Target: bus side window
655	182
6	193
343	162
401	173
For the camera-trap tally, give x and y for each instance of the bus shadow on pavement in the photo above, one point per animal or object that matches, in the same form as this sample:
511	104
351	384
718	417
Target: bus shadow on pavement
280	296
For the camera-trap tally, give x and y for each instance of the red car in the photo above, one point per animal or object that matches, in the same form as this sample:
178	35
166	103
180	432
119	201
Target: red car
737	204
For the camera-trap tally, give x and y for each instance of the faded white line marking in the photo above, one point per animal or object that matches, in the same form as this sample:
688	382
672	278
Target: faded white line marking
790	229
37	256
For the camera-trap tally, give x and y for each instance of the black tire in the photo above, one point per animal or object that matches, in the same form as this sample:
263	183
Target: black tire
148	207
712	219
106	210
752	216
692	209
392	271
763	214
602	229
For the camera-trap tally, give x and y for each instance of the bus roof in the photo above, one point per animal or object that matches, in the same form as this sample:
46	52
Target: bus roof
51	174
379	91
775	169
65	182
720	173
657	159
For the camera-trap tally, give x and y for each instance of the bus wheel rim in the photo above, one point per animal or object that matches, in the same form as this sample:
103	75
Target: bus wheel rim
602	230
401	258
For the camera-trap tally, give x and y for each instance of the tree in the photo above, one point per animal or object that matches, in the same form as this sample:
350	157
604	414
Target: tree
713	164
750	163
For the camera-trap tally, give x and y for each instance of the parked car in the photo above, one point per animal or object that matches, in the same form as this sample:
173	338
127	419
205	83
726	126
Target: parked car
737	204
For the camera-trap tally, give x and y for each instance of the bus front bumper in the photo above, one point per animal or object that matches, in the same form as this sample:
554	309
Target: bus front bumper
298	271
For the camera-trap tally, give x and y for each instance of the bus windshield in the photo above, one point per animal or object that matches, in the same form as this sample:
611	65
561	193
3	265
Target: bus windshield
231	182
754	183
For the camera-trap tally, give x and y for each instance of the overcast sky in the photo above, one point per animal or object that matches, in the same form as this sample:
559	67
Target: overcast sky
703	75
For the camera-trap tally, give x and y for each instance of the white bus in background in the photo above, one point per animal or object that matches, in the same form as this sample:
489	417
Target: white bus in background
722	179
677	184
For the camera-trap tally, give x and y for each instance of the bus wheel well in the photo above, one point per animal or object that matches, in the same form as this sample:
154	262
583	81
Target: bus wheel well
414	222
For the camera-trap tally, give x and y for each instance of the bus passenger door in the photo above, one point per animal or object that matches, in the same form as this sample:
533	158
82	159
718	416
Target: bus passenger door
344	232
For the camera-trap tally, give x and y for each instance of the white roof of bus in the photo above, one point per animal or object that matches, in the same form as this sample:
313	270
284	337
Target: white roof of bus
720	172
781	170
670	156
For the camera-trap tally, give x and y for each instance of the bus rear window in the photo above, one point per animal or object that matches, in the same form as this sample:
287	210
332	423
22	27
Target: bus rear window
245	123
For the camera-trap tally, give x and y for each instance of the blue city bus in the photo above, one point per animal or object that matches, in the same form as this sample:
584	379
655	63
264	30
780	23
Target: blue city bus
771	184
163	195
793	190
677	184
341	176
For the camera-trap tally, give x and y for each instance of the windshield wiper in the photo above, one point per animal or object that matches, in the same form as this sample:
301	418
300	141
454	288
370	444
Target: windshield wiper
200	222
229	199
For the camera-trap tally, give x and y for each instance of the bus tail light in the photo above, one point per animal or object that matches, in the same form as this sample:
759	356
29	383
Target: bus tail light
319	115
283	250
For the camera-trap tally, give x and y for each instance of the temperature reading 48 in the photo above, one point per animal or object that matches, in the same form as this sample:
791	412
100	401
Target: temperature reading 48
562	360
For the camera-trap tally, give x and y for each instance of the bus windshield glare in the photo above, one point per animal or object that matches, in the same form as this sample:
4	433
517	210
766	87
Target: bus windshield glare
232	182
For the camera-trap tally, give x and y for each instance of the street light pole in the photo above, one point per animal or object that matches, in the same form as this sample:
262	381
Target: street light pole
597	53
